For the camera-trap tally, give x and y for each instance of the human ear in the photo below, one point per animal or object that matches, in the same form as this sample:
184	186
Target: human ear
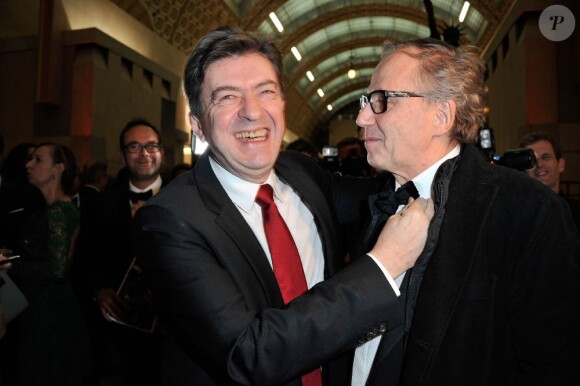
196	127
561	165
445	115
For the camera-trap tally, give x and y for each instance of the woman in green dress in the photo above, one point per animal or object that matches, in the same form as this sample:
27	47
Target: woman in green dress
53	345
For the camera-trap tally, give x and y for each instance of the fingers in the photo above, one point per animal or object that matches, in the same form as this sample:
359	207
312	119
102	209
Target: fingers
423	205
111	305
429	208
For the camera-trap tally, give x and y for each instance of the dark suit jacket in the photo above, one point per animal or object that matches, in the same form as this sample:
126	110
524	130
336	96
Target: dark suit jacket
139	352
82	266
499	302
18	202
112	241
218	296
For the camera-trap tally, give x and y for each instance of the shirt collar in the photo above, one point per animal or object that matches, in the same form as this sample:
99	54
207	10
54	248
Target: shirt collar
155	187
424	180
242	192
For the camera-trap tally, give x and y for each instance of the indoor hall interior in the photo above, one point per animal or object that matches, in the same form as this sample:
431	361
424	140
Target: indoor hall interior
75	71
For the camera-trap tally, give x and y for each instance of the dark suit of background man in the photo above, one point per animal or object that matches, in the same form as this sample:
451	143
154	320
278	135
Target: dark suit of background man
493	299
549	166
142	153
202	245
19	200
95	179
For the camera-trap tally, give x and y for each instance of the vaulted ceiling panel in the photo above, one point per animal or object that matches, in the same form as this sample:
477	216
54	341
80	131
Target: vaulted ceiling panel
331	35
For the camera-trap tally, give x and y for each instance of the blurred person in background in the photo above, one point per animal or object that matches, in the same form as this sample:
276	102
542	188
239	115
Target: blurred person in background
53	345
550	165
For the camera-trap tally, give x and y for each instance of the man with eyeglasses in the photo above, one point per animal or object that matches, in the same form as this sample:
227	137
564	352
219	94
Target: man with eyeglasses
139	351
493	298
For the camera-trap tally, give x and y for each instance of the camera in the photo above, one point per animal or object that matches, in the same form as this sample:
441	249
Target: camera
519	159
330	158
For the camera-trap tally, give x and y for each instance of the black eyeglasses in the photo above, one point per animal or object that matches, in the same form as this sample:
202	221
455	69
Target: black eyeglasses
379	98
136	147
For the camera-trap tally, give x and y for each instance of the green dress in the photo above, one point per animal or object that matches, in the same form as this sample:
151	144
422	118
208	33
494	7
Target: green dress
53	344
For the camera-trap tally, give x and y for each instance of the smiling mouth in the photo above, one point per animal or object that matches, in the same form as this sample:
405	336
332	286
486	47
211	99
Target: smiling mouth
251	136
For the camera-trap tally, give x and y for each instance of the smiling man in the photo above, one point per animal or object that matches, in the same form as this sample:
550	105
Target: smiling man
231	248
549	166
111	254
549	161
493	298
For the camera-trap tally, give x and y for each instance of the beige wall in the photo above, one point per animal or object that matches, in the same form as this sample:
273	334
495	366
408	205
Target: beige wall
64	76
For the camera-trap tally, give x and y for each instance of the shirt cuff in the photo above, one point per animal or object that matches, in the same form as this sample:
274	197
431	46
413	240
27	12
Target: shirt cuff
387	275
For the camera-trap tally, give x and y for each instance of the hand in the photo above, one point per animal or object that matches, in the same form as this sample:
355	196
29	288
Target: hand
111	305
403	237
4	254
4	266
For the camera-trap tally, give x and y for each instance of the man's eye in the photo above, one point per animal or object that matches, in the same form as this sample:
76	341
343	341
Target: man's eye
228	99
269	93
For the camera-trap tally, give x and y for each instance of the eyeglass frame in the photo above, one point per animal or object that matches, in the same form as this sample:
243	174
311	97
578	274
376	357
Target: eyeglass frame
150	147
387	94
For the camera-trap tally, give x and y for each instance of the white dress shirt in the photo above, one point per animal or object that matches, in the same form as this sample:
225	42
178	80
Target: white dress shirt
298	218
365	354
155	187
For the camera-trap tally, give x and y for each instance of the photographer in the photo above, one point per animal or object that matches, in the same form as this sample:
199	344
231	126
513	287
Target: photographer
549	165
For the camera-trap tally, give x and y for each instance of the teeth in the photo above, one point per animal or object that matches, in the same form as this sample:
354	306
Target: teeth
252	135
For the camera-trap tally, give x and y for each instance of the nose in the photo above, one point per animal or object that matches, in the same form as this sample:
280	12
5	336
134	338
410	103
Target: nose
250	108
365	116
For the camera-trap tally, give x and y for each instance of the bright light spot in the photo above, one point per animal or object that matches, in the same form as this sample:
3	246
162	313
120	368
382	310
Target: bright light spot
463	11
329	107
199	146
320	92
296	53
351	74
310	76
276	22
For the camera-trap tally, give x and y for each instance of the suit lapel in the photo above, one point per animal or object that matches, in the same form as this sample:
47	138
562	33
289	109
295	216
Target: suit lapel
231	221
450	264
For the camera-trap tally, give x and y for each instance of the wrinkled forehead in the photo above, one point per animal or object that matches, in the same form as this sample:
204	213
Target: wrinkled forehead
232	66
398	71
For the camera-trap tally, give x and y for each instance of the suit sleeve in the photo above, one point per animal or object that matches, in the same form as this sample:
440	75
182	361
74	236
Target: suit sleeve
242	338
545	310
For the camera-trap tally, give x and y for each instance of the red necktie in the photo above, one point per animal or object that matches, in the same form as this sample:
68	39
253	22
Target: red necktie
285	260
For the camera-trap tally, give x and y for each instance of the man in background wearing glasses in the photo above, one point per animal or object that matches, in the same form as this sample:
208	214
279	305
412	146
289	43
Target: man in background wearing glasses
139	351
493	298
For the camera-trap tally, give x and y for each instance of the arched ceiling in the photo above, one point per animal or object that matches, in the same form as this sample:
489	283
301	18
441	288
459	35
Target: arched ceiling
332	36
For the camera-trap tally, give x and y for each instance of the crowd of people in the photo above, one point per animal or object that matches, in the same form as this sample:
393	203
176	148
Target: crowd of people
417	263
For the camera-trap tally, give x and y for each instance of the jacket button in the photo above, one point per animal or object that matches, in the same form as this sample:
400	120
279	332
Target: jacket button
382	328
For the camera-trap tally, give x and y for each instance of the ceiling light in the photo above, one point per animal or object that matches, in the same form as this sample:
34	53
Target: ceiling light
463	11
329	107
296	53
320	92
276	22
310	76
351	72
